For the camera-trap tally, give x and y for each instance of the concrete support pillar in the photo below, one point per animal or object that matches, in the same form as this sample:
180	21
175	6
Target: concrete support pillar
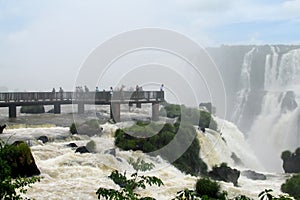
155	111
57	108
80	108
12	111
115	112
138	105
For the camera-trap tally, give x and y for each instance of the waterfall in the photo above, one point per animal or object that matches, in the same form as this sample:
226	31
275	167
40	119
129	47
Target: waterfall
245	86
275	129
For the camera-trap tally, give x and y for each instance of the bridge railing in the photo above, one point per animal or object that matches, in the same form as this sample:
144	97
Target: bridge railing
86	96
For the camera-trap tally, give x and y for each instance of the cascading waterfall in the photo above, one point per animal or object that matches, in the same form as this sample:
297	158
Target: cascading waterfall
245	86
275	129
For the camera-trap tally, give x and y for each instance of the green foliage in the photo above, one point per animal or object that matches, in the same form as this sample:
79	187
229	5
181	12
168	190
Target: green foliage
73	129
209	188
133	138
33	109
297	152
292	186
266	195
192	115
129	185
186	195
12	188
285	155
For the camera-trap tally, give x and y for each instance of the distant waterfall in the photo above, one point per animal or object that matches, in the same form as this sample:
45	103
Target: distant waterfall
245	87
275	129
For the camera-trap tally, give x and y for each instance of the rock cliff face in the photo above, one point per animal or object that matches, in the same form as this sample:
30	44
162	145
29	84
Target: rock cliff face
249	72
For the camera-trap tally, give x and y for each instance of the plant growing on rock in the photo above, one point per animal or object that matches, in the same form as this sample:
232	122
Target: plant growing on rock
127	185
11	188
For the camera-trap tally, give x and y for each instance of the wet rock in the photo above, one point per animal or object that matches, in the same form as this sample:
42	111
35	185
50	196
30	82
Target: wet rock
2	128
254	175
82	149
44	139
21	160
289	103
111	152
225	173
236	159
292	164
72	145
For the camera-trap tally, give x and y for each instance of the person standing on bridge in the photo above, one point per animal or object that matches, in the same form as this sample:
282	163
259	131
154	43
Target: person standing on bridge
61	92
162	87
53	94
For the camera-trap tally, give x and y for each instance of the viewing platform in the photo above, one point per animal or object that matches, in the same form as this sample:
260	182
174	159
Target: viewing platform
114	99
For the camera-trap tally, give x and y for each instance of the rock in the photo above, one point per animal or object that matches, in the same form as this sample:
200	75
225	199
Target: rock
21	161
254	175
85	129
36	109
289	103
2	128
292	164
225	173
44	139
236	159
72	145
111	152
82	149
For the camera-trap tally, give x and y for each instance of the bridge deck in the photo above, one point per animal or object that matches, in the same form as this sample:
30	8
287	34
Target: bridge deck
98	98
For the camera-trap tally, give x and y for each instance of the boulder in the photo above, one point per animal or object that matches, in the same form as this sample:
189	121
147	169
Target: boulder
225	173
2	128
44	139
21	160
72	145
82	149
254	175
288	102
111	152
292	164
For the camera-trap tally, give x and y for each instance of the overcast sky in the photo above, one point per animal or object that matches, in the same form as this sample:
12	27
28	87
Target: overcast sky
44	43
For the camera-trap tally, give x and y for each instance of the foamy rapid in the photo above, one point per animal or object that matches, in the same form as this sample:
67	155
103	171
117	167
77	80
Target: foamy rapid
70	175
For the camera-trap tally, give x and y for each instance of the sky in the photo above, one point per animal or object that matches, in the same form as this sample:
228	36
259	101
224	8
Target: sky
44	43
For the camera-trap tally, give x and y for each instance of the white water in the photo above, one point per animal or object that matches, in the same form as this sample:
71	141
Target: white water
274	131
245	86
69	175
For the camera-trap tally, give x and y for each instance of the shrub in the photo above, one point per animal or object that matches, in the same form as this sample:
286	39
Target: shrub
33	109
73	129
292	186
285	155
207	187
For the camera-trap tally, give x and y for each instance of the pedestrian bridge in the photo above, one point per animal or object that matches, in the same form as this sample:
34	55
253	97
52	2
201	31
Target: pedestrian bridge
114	99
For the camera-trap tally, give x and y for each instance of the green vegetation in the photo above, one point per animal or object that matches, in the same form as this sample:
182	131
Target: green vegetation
153	137
191	115
292	186
73	129
11	188
208	188
128	186
33	109
286	154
